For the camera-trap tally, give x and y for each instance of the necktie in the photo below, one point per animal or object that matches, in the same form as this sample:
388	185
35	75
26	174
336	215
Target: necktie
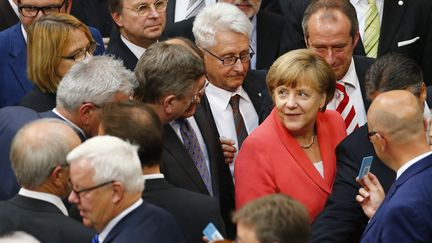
95	238
194	6
238	120
372	30
346	108
191	143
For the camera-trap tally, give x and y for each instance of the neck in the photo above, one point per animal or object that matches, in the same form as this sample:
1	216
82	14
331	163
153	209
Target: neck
404	153
151	170
144	43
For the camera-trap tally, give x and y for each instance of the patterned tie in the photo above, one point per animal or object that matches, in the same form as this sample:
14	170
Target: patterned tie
372	30
95	238
238	120
194	6
191	143
345	107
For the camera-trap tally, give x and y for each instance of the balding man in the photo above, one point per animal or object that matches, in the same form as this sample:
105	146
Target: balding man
397	132
38	157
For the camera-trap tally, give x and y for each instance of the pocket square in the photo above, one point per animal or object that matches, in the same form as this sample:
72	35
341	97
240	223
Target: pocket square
407	42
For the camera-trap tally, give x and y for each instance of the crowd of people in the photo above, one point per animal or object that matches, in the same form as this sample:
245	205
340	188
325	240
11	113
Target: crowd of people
148	120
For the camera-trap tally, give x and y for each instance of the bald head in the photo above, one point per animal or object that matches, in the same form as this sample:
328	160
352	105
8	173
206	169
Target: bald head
398	116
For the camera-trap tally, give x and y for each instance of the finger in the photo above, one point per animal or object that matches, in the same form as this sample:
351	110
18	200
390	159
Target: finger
228	148
359	199
363	192
227	141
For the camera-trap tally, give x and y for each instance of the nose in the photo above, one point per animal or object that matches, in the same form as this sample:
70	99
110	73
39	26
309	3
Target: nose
153	12
73	198
329	56
291	102
39	14
238	66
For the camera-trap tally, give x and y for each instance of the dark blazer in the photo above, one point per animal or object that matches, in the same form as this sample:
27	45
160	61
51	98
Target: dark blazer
7	15
404	23
270	38
362	64
38	100
193	211
118	49
180	170
404	215
94	13
41	219
14	83
170	12
147	223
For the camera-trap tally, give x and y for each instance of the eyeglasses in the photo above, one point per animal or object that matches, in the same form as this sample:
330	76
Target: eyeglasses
145	8
32	11
200	92
82	54
231	61
370	134
78	193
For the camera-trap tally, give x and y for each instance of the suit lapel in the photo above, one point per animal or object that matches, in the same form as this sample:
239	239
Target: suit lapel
8	13
393	14
361	69
170	12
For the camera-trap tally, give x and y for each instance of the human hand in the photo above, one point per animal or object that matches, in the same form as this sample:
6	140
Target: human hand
228	149
371	194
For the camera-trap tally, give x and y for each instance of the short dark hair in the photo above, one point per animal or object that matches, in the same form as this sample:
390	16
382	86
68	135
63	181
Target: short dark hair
167	69
115	6
276	218
394	71
137	123
343	6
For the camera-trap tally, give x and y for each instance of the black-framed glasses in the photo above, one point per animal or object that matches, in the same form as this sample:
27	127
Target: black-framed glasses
200	92
82	54
370	134
231	61
32	11
78	193
145	8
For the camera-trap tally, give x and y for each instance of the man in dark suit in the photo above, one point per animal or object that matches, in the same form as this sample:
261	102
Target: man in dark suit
342	219
267	38
38	155
193	211
94	13
107	183
14	83
8	16
397	132
331	30
137	28
78	102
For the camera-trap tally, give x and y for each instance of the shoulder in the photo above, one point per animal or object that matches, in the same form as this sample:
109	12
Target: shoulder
363	61
277	19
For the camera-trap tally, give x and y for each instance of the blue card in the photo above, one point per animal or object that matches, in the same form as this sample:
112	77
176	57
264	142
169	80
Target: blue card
365	167
212	233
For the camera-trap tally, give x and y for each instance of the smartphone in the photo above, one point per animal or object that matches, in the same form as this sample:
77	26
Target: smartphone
365	166
212	233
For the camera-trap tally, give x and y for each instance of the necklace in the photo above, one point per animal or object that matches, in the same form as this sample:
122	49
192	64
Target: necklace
309	145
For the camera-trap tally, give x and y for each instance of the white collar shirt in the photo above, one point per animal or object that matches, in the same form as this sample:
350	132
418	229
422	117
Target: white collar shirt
135	49
77	128
47	197
408	164
181	7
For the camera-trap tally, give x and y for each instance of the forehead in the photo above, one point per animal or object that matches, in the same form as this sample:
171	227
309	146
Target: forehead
41	2
230	40
137	2
332	19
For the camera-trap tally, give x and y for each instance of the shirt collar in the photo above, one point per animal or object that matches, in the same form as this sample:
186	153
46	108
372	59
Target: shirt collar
117	219
24	32
135	49
14	7
409	163
47	197
70	123
153	176
351	75
222	97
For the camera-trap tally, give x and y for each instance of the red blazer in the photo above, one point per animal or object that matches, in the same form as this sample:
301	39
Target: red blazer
272	161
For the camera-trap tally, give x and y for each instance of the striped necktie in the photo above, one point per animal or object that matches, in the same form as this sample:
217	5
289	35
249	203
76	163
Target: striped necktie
346	108
95	238
192	145
372	30
238	120
193	7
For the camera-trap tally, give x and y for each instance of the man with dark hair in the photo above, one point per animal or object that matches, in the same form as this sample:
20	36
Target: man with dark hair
139	25
193	211
342	219
272	218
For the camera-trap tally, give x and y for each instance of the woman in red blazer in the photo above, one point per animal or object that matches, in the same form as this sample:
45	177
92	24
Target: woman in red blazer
293	150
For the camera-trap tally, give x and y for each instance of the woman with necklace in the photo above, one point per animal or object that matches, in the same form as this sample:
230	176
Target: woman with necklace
292	151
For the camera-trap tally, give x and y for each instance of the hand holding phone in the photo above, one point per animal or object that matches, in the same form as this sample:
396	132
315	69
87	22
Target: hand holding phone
365	167
212	233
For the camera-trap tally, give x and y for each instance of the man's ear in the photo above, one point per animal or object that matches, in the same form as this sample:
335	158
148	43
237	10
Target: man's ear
85	113
168	104
57	176
118	192
117	18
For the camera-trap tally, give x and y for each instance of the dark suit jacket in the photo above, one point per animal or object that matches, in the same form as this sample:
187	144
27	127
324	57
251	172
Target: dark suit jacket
7	15
404	215
362	64
38	100
118	49
14	83
193	211
270	38
147	223
94	13
41	219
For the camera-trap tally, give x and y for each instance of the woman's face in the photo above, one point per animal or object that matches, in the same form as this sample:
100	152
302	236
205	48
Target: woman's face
77	42
298	107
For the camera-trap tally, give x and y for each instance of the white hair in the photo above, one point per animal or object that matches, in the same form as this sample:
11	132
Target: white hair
18	237
96	80
219	17
112	160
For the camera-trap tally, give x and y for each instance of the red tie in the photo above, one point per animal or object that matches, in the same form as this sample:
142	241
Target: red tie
346	108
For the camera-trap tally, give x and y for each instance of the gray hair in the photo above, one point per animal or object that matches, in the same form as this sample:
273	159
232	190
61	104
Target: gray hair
167	69
96	80
219	17
38	148
18	237
112	160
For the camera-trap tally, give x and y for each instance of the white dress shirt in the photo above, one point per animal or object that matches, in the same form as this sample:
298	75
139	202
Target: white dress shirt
361	7
14	7
409	163
352	87
135	49
181	7
77	128
47	197
223	115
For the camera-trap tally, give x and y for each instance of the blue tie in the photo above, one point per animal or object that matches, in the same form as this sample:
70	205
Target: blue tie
95	238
